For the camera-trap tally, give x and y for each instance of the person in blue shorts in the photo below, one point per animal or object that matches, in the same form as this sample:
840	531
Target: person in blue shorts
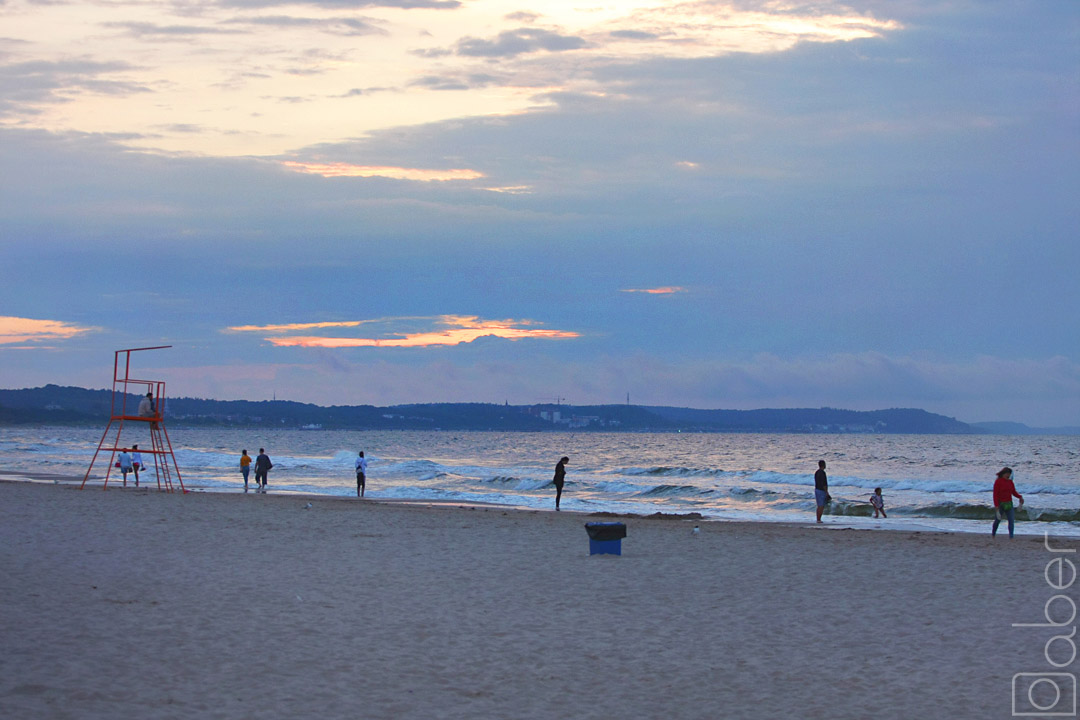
821	488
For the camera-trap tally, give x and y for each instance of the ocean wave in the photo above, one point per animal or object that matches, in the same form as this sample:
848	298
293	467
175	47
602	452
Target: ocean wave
413	467
518	483
667	490
986	512
926	486
960	511
666	471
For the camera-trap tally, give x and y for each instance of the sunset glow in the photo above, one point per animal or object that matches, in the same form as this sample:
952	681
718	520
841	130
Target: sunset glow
20	330
266	78
269	183
669	290
456	331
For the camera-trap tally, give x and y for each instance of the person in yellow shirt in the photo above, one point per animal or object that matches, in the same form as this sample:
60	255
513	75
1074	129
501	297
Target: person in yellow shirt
245	467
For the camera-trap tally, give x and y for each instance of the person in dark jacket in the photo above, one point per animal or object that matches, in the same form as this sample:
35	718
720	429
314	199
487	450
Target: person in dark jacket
262	466
821	488
560	479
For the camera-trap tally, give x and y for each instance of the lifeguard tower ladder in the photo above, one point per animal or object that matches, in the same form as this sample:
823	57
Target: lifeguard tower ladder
160	446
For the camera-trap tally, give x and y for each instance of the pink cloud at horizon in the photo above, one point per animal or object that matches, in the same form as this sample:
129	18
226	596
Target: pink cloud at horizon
286	327
459	329
19	330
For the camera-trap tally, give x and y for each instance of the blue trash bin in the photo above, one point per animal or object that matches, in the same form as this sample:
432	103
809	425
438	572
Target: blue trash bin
605	538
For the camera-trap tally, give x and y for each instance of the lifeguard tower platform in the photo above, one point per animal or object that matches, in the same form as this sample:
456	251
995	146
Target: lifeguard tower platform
124	411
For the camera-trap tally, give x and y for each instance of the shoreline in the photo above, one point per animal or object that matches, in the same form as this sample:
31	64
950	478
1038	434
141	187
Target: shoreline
832	522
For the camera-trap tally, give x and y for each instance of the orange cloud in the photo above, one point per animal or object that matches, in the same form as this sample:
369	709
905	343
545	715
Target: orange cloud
656	291
20	330
341	169
457	329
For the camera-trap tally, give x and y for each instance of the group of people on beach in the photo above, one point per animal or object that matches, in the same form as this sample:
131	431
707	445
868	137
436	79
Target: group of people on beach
1004	489
262	467
1004	492
130	463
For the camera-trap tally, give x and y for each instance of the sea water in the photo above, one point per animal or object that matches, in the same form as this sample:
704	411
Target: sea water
932	482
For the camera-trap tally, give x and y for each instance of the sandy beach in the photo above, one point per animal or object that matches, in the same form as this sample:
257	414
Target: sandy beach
136	603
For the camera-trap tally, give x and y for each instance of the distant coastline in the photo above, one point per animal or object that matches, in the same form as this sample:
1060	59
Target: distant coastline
66	405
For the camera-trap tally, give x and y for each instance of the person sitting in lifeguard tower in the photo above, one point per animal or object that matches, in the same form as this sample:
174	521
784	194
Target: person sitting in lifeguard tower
147	409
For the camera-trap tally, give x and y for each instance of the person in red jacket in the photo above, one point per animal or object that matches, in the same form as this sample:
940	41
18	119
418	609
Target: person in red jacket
1004	491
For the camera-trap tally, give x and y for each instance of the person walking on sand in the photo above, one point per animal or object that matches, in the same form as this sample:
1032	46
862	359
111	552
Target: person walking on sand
821	488
361	474
136	462
124	461
1004	491
560	479
262	467
245	467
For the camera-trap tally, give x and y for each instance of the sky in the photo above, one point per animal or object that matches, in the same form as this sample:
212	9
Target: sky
710	204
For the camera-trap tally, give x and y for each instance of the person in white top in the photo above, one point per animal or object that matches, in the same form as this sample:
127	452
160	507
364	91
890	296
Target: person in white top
361	474
136	462
878	502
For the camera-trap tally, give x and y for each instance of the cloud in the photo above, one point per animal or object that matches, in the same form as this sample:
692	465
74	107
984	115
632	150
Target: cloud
456	330
517	42
26	84
21	330
667	290
342	169
348	4
633	35
290	327
334	25
155	31
458	81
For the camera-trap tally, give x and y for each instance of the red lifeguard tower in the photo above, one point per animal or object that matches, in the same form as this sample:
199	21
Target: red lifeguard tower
149	413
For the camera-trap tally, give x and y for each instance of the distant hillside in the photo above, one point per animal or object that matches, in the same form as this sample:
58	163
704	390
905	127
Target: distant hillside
58	405
816	420
1015	428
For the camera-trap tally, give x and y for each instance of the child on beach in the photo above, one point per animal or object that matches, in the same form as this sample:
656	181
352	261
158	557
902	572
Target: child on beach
245	467
878	502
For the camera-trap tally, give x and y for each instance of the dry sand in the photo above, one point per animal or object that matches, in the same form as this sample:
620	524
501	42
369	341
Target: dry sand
141	604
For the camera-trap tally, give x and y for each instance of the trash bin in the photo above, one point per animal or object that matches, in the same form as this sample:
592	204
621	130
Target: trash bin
605	538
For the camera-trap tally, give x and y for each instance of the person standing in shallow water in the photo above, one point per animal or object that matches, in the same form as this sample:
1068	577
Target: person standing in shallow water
245	467
262	467
361	474
821	488
560	479
1004	492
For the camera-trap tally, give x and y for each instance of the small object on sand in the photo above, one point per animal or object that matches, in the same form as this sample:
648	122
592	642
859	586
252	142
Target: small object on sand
696	530
308	506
